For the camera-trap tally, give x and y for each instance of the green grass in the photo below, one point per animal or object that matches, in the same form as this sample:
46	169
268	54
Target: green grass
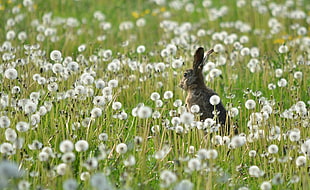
230	170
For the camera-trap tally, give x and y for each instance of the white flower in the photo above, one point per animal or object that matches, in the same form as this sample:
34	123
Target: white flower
116	105
121	148
30	107
68	157
273	149
283	49
113	83
195	109
100	181
167	178
301	161
298	75
184	185
56	55
10	134
5	122
252	153
212	154
144	112
187	118
279	73
81	146
11	73
140	49
168	95
70	184
194	164
96	112
219	48
155	96
6	148
84	176
73	66
294	135
66	146
103	137
130	161
237	141
250	104
215	100
43	156
61	169
22	126
266	185
254	171
233	112
282	82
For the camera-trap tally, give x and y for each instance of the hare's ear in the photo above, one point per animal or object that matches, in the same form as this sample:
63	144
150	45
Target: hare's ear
198	59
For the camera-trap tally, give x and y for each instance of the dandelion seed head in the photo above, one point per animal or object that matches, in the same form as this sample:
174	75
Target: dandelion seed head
283	49
254	171
121	148
252	153
11	73
195	109
194	164
301	161
61	169
5	122
10	134
250	104
81	146
266	185
66	146
96	112
187	118
168	95
70	184
167	178
144	112
22	126
56	55
6	148
214	100
282	82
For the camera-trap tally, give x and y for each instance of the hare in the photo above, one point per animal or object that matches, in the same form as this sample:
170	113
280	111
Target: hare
199	94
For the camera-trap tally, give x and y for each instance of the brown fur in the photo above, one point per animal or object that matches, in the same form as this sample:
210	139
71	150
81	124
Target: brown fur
199	94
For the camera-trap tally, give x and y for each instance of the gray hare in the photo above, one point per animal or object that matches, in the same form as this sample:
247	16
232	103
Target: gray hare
199	94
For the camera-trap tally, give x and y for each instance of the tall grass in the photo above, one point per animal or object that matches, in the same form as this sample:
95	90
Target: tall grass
162	147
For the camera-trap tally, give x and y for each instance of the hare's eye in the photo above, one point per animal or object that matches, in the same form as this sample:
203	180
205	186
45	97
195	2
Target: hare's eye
185	74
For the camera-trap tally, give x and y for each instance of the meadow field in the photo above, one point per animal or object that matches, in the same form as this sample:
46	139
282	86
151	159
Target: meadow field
90	96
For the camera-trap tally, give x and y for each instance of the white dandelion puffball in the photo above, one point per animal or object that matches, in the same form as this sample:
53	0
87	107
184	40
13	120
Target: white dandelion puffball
187	118
266	185
140	49
283	49
250	104
66	146
81	146
56	55
121	148
144	112
273	149
11	73
254	171
168	95
301	161
215	100
195	109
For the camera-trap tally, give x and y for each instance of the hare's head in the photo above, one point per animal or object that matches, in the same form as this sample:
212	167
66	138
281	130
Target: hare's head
193	78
